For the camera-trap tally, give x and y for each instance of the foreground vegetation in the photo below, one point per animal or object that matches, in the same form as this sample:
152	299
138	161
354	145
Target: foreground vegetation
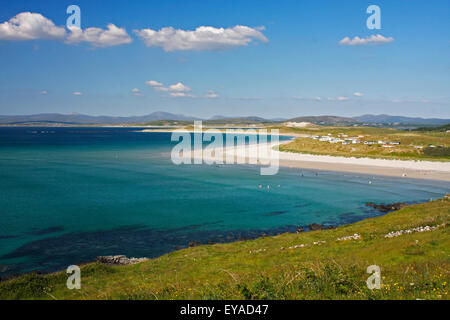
413	266
435	144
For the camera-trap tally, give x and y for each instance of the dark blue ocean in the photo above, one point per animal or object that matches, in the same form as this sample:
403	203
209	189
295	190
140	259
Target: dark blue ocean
68	195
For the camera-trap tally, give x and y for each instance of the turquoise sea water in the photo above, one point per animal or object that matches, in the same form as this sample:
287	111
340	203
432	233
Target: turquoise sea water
68	195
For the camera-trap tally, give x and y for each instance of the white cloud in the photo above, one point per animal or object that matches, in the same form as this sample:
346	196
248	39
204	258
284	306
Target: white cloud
338	99
33	26
211	95
374	40
98	37
154	83
181	95
137	92
179	87
358	94
44	92
157	86
179	90
341	98
77	93
202	38
308	99
30	26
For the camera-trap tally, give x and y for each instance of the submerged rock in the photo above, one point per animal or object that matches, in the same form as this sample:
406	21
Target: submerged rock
387	207
119	260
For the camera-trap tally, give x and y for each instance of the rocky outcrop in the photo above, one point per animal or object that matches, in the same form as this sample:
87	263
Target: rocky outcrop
394	234
316	227
194	244
119	260
387	207
352	237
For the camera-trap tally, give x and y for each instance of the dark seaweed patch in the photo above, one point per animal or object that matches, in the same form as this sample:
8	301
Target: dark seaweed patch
275	213
45	231
7	237
58	252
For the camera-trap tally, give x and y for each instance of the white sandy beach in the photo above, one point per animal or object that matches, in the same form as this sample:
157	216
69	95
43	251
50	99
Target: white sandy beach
398	168
433	170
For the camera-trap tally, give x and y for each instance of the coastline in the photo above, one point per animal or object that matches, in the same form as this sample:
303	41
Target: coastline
261	234
384	235
412	169
398	172
428	170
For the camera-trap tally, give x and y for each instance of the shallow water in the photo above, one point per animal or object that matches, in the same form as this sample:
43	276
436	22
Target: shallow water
68	195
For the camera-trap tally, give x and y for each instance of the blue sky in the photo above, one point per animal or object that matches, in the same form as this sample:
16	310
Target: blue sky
287	61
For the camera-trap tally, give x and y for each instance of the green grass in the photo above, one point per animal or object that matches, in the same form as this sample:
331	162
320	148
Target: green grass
412	266
405	151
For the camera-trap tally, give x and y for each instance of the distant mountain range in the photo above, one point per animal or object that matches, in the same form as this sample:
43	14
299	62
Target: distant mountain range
81	119
75	118
251	118
387	119
326	120
369	119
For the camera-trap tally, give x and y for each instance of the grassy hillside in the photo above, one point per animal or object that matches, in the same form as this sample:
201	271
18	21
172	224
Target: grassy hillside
443	128
413	266
405	151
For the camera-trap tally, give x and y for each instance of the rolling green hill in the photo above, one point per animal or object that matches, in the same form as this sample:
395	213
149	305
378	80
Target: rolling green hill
443	128
427	145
